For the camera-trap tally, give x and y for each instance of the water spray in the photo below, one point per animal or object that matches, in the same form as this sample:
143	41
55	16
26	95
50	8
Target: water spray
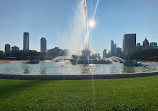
92	23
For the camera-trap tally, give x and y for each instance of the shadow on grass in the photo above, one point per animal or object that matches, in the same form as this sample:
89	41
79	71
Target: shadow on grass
14	87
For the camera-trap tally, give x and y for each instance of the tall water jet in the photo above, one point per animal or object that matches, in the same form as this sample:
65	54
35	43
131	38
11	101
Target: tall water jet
74	35
86	42
90	25
86	57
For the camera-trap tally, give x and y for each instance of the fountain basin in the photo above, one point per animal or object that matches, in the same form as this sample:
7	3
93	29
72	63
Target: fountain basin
66	68
75	77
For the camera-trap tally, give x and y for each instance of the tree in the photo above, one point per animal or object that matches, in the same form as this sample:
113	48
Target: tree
149	55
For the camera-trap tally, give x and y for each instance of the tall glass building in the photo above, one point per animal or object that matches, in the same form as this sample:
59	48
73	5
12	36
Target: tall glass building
129	43
43	45
7	48
26	41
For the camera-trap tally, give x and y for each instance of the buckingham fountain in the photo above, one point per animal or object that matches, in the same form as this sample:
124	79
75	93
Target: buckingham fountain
86	56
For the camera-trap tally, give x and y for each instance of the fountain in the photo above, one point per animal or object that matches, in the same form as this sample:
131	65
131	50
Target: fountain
83	29
86	56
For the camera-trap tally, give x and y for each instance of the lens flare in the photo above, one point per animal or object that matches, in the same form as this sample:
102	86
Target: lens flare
91	23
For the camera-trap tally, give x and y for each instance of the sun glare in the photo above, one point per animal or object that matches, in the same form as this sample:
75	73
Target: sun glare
91	23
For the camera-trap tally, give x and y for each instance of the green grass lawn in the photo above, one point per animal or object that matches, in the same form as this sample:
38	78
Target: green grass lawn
104	94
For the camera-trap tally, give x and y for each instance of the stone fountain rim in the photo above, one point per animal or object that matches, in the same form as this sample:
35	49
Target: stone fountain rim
75	77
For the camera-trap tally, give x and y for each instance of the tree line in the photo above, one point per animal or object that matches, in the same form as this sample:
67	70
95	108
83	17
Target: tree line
24	55
144	55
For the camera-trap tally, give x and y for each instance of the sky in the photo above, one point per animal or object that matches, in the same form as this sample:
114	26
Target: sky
52	18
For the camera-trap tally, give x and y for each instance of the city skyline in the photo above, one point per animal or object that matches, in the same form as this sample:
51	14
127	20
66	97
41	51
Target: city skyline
113	20
129	46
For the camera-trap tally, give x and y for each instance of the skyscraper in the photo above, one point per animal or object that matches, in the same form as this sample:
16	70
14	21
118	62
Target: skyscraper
146	44
15	48
104	52
26	41
129	43
153	45
7	48
113	48
43	45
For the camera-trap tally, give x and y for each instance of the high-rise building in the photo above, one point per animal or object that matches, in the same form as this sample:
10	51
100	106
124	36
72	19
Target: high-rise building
15	48
1	54
153	45
7	48
43	45
104	52
138	45
129	43
115	49
119	52
26	41
146	44
55	52
112	48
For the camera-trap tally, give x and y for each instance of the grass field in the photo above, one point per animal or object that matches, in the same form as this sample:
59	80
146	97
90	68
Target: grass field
104	94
